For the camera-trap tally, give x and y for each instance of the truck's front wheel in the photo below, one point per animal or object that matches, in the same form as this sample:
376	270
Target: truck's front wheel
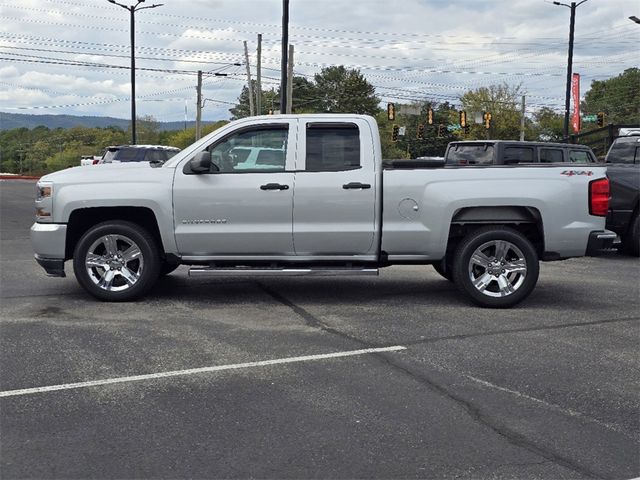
496	267
116	261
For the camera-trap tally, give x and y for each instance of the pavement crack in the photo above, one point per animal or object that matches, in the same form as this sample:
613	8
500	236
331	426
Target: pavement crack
475	413
464	336
310	319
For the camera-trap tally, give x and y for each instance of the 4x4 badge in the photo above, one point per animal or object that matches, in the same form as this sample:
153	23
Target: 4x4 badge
571	173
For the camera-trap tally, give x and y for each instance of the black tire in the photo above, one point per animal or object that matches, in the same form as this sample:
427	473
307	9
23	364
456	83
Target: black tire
631	241
116	261
444	269
505	267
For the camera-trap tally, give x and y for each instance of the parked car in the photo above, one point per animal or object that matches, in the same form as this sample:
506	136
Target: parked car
504	152
623	169
90	160
326	206
138	153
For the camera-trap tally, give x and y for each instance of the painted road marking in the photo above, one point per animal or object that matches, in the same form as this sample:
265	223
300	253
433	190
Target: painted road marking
193	371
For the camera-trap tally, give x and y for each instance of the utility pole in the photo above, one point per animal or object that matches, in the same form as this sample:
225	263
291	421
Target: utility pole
252	110
567	101
132	10
522	120
290	82
259	77
199	106
283	63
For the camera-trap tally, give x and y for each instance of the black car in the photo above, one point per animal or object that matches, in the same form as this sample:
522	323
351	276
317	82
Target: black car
506	152
138	153
623	169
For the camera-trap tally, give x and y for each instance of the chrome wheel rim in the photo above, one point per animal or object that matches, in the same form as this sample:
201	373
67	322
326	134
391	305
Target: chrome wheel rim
497	268
114	263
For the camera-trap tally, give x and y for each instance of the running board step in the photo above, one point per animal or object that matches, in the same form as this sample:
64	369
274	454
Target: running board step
279	272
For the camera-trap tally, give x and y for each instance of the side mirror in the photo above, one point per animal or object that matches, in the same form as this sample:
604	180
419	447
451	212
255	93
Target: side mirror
201	163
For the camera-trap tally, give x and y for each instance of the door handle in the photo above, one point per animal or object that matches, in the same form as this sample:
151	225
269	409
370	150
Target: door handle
274	186
356	185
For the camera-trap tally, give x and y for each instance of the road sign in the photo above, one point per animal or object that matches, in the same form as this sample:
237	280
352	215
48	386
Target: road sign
589	118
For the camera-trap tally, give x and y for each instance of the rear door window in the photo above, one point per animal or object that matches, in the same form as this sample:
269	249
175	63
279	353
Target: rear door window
551	155
518	155
579	156
332	147
470	155
127	155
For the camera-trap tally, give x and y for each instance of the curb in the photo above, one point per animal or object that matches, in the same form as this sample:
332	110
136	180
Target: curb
18	177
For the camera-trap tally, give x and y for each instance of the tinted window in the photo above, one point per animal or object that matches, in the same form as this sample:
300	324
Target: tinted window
579	156
332	147
170	153
154	156
551	155
470	155
127	155
518	155
261	149
622	153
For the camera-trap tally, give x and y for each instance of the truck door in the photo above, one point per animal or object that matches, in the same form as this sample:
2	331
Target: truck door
239	210
335	190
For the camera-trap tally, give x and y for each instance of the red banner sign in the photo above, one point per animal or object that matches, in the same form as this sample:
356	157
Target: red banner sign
575	89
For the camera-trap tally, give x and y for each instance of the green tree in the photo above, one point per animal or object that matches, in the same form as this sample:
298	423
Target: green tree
342	90
618	97
184	138
548	125
502	101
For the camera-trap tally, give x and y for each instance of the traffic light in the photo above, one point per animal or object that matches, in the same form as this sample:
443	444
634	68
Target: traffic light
391	111
487	120
600	119
440	131
394	133
430	116
420	134
463	119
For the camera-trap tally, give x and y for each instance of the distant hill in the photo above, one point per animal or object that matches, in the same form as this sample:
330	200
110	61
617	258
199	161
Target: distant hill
9	121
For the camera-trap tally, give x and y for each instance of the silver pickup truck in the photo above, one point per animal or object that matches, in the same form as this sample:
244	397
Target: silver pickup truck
311	195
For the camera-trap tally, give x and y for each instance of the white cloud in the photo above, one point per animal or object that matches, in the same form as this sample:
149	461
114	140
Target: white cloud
408	49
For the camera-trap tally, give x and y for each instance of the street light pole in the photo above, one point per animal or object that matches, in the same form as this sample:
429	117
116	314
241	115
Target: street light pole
283	63
567	101
132	10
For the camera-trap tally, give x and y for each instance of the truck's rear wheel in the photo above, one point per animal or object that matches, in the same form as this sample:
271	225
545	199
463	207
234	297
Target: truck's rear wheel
116	261
496	267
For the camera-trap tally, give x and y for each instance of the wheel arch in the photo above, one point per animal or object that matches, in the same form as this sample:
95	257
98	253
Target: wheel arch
527	220
82	219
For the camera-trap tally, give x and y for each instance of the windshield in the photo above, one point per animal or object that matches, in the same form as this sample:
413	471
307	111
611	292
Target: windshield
481	154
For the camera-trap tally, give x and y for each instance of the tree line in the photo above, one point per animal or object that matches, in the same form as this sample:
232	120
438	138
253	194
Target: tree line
338	89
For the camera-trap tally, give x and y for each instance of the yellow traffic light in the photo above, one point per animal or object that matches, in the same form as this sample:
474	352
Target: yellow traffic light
394	133
391	111
487	120
463	118
420	134
430	116
600	119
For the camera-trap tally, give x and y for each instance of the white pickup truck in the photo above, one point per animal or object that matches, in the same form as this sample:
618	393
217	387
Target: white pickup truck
311	195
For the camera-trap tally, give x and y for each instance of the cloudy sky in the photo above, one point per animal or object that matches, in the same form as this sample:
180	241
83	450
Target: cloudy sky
71	56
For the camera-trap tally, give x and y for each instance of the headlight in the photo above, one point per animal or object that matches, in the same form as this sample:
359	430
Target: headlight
45	190
44	201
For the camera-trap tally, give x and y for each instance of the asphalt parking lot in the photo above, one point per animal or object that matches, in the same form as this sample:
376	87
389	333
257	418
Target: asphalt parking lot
389	377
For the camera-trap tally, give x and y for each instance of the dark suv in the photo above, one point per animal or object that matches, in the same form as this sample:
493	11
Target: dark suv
138	153
623	169
505	152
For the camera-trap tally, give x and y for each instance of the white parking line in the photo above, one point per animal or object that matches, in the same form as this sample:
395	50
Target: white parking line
193	371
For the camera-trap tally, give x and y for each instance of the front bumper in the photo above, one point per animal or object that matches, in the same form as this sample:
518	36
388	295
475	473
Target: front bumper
48	241
600	243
